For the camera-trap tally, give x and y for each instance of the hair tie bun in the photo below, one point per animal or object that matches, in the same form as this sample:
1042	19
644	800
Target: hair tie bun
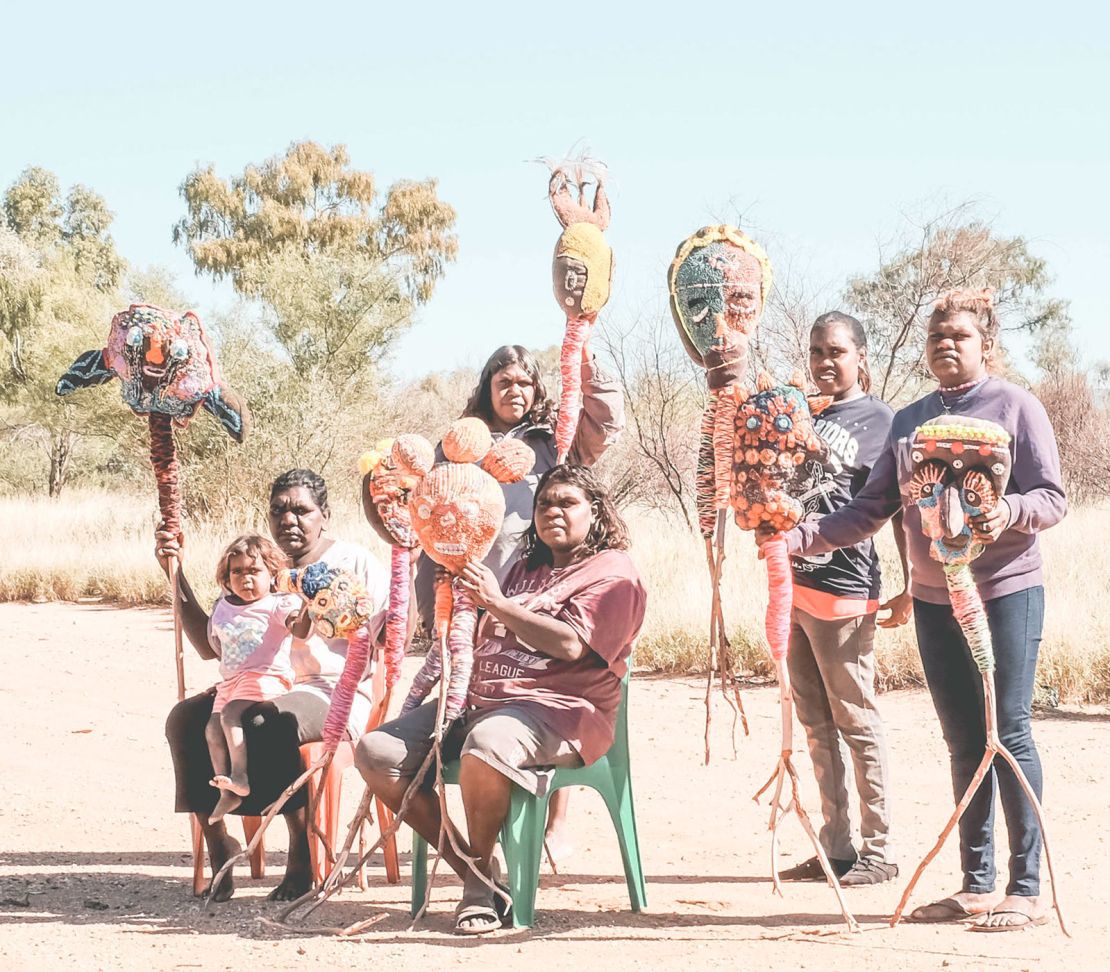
467	440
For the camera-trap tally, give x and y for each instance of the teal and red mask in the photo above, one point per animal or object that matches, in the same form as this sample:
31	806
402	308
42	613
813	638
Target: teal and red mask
718	282
961	466
165	365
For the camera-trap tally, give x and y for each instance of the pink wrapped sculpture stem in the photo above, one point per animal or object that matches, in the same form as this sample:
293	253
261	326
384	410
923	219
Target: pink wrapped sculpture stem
780	591
397	617
570	394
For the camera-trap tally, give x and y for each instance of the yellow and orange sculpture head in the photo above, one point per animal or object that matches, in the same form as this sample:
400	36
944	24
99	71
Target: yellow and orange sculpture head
582	268
457	508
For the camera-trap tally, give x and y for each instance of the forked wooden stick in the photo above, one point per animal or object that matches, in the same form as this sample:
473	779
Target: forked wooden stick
784	770
994	748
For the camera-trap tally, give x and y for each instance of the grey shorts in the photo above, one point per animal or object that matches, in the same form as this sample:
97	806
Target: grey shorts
511	738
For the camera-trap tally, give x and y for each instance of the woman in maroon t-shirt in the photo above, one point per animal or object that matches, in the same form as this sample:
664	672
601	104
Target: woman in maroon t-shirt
552	650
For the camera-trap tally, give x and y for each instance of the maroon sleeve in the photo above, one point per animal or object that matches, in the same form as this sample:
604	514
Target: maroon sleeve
607	613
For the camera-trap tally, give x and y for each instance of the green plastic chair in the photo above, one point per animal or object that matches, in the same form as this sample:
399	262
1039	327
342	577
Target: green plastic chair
522	832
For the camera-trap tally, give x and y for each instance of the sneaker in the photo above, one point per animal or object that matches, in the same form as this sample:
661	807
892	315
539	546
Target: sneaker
866	871
811	870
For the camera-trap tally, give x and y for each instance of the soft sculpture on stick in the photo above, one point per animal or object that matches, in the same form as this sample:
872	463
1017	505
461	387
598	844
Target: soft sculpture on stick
772	440
582	271
456	510
961	466
718	282
167	372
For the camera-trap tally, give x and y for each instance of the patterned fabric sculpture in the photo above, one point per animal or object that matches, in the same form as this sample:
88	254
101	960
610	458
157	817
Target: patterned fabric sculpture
167	371
391	470
582	271
718	283
773	438
456	511
961	466
339	607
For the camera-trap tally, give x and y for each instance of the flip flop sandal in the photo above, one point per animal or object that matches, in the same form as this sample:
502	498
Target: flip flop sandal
1029	922
946	910
482	918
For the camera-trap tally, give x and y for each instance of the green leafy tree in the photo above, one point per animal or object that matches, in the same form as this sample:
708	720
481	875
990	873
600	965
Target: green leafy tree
952	250
339	266
59	278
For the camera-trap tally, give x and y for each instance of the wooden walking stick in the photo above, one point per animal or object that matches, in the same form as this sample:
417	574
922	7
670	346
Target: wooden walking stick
718	283
961	468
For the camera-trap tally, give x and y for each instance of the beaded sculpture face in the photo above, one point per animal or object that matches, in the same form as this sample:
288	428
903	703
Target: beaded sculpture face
774	438
165	365
961	468
457	508
391	470
718	281
337	603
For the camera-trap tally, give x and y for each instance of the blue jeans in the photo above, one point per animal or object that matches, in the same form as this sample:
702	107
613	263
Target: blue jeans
957	689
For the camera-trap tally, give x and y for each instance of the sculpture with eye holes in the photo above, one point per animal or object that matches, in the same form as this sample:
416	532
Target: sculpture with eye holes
455	510
772	439
167	371
582	272
961	466
718	282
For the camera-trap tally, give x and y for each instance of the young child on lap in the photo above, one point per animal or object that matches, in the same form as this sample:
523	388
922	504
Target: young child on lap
250	629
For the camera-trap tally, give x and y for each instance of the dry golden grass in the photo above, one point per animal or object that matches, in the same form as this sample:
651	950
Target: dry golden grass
100	545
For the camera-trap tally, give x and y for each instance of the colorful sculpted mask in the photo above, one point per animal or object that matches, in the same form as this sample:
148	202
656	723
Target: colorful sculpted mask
961	468
718	282
457	508
774	437
391	470
582	268
165	365
337	603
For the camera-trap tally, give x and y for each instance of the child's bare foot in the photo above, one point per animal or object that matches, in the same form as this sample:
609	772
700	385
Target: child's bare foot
227	802
236	784
219	850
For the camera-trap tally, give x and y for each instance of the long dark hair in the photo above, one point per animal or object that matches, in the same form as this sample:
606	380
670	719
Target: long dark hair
480	404
859	339
608	530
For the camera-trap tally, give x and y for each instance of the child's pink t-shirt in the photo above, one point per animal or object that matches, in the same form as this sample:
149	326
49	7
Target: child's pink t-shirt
253	637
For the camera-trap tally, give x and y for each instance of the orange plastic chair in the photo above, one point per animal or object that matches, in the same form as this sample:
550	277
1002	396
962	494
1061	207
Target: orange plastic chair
327	808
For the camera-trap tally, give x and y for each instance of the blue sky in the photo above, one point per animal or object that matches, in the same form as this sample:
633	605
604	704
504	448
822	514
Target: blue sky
823	124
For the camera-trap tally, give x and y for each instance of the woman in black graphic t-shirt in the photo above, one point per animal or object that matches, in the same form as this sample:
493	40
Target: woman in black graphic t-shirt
832	635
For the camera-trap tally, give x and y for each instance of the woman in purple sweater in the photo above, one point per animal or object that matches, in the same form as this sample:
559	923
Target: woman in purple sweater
962	335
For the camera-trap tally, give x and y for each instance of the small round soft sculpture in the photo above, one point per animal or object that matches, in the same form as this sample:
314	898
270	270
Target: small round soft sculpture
337	603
